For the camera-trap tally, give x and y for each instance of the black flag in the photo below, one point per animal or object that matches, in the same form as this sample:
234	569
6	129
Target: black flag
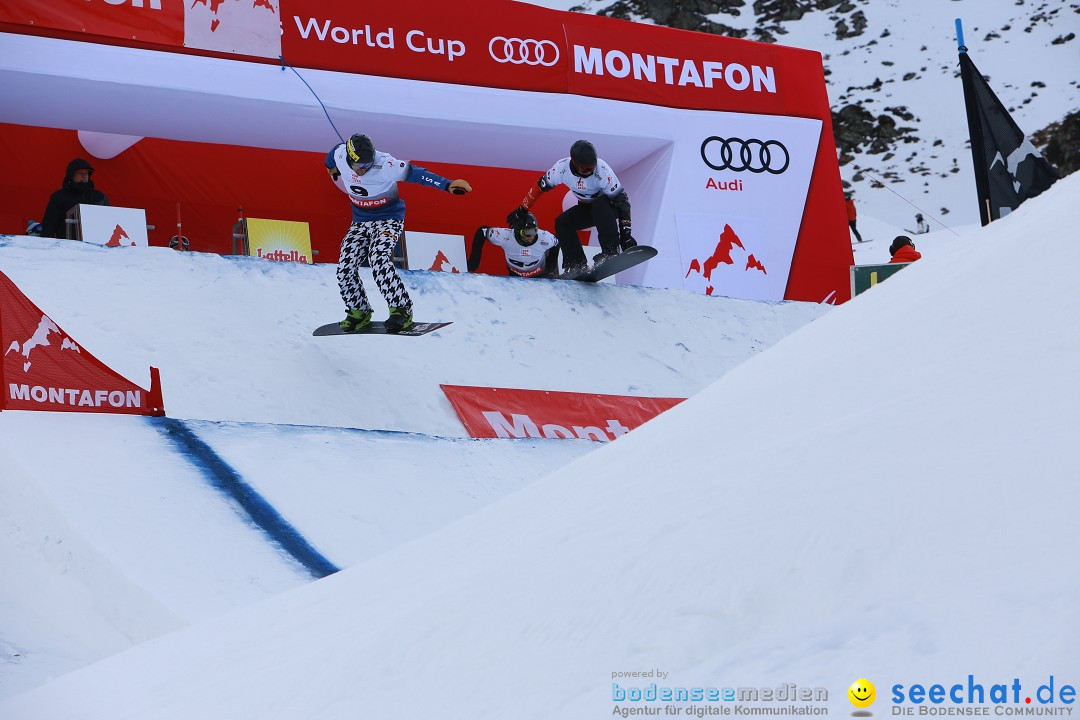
1008	168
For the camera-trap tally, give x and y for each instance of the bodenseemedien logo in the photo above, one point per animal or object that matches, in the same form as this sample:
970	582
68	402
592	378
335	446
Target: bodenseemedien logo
701	701
862	695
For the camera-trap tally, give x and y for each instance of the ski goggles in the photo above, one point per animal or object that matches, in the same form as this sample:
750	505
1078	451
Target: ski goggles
583	169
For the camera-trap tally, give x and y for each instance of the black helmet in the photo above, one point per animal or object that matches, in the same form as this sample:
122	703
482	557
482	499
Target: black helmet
525	229
582	158
898	242
361	152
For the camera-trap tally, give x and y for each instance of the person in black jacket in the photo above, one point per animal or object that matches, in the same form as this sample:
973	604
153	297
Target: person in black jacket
77	189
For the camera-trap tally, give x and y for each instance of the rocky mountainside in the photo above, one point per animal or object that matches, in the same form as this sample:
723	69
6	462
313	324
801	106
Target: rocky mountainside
1060	143
898	112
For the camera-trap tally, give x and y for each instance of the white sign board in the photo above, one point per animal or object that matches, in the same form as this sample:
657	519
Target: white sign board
435	251
111	226
252	28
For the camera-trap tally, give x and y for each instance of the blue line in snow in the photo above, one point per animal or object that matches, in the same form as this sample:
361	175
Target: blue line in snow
262	513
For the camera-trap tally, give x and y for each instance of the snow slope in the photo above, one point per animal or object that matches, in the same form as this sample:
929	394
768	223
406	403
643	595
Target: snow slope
114	533
232	335
888	492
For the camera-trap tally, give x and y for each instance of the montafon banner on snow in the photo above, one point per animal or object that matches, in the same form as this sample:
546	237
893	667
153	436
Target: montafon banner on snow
510	413
44	369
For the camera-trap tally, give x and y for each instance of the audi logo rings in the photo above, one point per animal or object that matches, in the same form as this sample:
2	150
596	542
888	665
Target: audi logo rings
523	52
757	156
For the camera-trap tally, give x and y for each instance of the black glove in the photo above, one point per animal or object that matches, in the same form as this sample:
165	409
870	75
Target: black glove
626	240
517	217
477	248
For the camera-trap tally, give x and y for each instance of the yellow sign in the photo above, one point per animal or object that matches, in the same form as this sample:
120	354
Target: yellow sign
281	240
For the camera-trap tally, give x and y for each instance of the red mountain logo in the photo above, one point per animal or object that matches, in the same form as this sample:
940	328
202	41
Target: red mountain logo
441	261
117	234
729	240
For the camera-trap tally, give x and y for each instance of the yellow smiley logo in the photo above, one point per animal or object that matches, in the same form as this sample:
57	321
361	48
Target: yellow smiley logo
862	693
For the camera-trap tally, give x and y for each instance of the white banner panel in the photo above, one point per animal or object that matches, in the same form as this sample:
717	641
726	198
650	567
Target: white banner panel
435	251
234	26
736	193
717	261
112	226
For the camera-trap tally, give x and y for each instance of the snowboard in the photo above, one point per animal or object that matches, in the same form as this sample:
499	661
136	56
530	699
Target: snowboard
623	261
377	328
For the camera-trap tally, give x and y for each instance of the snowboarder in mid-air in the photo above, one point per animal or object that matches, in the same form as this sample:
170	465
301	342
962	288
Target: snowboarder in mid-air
369	178
602	203
530	251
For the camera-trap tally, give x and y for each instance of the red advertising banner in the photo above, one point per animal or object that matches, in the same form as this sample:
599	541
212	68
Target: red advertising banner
44	369
495	44
511	413
677	68
158	22
519	46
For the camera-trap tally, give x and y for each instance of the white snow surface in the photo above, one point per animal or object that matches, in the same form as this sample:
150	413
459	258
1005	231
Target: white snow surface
117	538
887	492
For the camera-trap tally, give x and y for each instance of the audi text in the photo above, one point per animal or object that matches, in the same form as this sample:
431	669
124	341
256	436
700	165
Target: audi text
750	154
527	51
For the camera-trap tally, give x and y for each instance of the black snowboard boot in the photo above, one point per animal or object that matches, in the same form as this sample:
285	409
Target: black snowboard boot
400	319
355	320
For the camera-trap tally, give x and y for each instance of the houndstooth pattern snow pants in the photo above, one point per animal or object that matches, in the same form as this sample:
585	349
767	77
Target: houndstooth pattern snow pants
374	241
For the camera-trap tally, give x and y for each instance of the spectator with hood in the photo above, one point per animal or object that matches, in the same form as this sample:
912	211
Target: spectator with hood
77	189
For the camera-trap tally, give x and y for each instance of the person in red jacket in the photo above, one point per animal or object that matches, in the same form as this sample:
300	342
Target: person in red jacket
903	250
851	215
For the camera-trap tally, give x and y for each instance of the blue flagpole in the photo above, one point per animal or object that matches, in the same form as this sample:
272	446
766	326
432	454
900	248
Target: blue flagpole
967	73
